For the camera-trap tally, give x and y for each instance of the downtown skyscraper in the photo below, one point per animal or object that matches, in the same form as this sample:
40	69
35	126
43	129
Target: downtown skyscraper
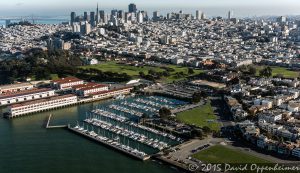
132	8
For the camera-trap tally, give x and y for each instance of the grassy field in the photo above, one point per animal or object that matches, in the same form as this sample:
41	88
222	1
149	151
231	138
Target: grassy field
200	116
120	68
54	76
222	154
279	70
134	71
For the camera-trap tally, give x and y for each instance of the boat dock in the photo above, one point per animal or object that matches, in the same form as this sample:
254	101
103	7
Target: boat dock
130	151
53	127
128	133
98	113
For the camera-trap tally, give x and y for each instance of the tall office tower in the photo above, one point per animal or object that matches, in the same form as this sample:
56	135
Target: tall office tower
97	15
169	16
145	14
76	27
281	19
85	16
73	16
113	14
88	28
198	15
155	15
203	16
127	17
140	17
7	22
121	14
85	28
105	19
78	19
132	8
92	19
102	14
133	17
230	15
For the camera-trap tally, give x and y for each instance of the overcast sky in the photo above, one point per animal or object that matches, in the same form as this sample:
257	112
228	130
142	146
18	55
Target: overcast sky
63	7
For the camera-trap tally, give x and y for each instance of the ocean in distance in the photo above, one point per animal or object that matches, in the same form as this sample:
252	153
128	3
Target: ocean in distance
37	21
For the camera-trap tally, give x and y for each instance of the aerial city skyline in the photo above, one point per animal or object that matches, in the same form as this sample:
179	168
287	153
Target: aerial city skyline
212	8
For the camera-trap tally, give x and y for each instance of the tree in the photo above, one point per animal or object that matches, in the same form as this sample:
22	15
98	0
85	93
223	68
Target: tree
196	133
164	113
151	72
206	129
252	70
166	73
266	72
269	135
191	71
196	98
142	74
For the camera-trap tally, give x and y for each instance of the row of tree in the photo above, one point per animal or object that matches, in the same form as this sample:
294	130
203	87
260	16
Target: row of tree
40	65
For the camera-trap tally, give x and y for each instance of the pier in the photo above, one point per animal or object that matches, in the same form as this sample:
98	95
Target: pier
128	133
53	127
110	143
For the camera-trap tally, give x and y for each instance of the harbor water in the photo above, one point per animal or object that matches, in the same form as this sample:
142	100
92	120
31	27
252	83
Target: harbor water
38	21
27	146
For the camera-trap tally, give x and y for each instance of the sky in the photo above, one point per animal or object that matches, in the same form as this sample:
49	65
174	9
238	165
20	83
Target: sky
245	8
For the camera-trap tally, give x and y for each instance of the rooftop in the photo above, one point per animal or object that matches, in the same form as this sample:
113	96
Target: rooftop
103	92
26	92
14	85
66	80
41	101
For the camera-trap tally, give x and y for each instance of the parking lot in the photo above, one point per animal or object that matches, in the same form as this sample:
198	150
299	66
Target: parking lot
181	154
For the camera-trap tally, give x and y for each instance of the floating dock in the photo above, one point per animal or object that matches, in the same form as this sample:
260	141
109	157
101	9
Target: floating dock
140	157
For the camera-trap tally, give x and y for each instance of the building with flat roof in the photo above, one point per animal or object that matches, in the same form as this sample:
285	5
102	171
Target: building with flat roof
111	93
132	8
89	88
66	83
15	88
41	105
25	95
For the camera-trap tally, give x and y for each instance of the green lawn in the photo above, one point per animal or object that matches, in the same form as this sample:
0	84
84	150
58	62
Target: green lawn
134	71
279	70
120	68
200	116
222	154
54	76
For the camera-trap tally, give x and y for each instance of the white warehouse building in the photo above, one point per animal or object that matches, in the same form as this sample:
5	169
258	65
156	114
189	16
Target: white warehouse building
26	95
41	105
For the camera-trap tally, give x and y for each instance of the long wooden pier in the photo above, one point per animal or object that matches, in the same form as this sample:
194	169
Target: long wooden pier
52	127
